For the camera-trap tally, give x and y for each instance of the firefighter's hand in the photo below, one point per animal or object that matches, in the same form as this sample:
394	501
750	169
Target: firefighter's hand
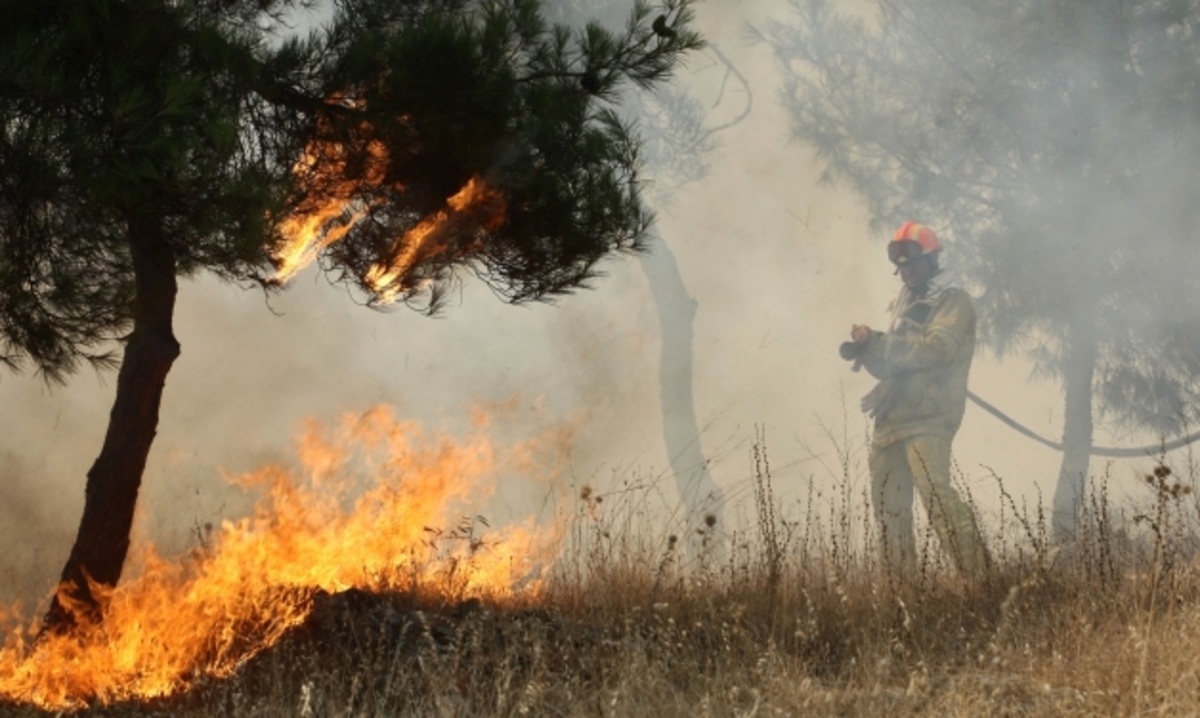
860	333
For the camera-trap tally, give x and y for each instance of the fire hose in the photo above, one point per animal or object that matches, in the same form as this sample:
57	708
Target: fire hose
852	352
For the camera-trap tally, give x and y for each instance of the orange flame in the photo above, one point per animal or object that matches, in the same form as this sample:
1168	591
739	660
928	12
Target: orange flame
177	622
475	205
324	221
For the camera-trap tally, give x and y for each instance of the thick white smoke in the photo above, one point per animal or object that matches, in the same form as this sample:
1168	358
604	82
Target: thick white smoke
780	265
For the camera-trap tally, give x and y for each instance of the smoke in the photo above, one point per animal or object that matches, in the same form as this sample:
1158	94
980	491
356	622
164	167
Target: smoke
781	265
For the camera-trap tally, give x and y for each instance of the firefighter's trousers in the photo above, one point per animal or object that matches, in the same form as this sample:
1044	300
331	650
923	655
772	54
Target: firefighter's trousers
923	461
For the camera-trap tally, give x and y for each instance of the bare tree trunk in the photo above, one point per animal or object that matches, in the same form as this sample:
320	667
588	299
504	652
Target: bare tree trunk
1077	429
113	481
701	495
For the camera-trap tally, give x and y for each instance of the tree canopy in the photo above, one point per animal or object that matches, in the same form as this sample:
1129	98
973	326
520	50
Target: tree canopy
203	118
1055	144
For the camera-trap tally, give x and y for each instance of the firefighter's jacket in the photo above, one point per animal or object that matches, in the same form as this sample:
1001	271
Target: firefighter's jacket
922	364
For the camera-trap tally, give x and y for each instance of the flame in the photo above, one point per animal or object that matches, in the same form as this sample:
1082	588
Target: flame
475	205
327	219
339	206
179	621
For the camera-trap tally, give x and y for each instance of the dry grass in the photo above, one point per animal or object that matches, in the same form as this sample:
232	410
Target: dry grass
783	618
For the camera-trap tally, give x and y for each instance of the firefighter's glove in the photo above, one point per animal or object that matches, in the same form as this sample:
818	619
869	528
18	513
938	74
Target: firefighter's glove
875	401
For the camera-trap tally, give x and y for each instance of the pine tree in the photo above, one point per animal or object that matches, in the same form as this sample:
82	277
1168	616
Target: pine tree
679	137
402	146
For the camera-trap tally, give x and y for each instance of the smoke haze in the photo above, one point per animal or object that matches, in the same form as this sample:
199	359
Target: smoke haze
780	265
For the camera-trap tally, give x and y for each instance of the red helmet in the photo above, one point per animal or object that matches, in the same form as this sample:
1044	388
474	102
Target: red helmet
912	240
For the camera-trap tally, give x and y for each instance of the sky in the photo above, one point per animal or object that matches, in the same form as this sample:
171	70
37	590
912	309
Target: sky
779	264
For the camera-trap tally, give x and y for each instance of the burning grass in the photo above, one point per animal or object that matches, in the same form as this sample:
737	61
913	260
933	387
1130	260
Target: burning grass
365	511
780	617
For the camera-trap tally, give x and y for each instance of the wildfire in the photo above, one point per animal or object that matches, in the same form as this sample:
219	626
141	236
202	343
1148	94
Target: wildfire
320	222
179	621
475	205
339	207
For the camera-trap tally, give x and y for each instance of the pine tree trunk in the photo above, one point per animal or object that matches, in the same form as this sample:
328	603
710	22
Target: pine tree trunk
114	479
676	312
1077	430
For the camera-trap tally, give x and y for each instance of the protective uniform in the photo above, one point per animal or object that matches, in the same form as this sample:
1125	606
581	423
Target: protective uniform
922	363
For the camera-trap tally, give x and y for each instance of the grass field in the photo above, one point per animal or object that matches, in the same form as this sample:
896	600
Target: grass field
785	617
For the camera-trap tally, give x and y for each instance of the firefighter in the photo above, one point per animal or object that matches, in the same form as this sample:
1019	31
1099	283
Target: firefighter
922	362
